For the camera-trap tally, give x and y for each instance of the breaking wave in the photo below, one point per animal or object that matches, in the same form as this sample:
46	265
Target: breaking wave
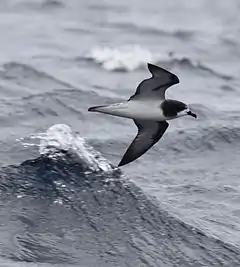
60	139
71	196
120	59
130	58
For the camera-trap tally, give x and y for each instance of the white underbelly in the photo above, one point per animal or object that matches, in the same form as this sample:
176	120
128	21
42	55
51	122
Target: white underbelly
142	110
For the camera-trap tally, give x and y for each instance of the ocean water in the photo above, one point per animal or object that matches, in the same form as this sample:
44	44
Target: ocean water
63	201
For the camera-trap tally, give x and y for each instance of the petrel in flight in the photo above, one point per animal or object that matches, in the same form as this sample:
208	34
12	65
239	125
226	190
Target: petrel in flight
150	111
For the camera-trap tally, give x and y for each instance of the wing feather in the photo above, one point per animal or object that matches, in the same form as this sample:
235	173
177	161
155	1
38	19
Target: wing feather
149	133
157	85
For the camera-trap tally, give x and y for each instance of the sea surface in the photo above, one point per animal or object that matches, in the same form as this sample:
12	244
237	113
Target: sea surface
63	201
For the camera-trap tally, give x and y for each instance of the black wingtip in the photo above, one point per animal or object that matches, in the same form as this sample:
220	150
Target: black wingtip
120	164
150	66
123	162
156	70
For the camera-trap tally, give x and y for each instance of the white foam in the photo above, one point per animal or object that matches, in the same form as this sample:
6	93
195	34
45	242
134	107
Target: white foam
126	58
60	137
130	58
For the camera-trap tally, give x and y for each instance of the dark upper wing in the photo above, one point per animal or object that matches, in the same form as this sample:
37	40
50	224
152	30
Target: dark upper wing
149	132
156	85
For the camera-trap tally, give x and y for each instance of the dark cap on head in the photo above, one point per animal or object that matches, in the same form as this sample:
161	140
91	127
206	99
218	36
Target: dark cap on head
172	107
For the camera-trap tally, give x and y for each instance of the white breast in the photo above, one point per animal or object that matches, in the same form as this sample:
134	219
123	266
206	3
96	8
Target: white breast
136	109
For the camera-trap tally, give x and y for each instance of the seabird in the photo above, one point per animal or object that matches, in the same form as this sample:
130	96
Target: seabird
150	111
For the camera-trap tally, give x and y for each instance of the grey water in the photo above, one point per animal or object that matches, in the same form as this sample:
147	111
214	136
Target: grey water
177	205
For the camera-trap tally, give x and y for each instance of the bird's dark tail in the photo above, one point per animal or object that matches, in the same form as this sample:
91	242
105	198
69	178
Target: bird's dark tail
96	108
117	109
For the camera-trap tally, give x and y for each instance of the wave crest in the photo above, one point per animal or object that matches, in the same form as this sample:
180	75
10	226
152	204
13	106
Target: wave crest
59	139
130	58
120	59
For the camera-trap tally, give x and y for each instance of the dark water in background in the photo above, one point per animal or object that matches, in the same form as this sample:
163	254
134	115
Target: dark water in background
178	205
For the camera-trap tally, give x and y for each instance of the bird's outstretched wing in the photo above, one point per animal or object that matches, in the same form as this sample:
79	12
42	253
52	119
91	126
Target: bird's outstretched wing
156	86
149	132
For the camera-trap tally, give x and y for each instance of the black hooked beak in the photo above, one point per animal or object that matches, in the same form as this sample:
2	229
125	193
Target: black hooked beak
192	114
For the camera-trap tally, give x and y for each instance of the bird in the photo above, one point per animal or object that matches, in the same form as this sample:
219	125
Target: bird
150	111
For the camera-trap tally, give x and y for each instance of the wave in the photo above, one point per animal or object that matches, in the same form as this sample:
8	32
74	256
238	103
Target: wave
209	138
52	4
61	213
26	76
151	31
201	139
59	139
45	5
188	142
120	59
130	58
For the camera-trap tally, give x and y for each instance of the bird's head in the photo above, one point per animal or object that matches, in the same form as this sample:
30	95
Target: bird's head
175	109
